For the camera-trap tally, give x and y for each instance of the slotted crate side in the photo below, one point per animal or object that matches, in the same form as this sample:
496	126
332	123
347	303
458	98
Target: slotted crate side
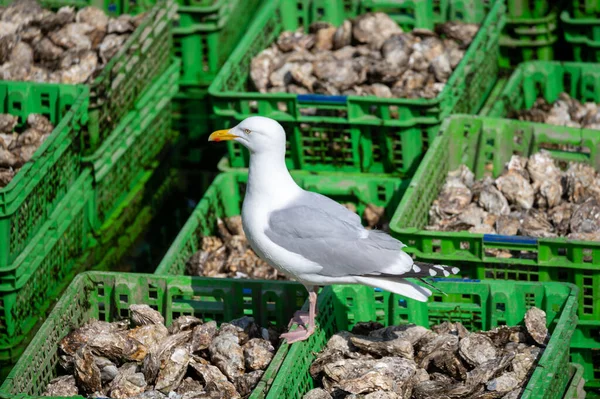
575	389
528	9
143	58
107	296
525	40
204	46
547	79
225	195
35	191
134	146
132	218
478	305
589	359
48	264
192	116
583	36
465	91
582	9
327	147
585	350
487	144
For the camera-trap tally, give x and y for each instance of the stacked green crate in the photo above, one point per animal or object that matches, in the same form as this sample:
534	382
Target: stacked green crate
204	34
486	144
530	33
38	205
45	267
548	80
581	28
134	147
353	133
37	188
144	56
131	174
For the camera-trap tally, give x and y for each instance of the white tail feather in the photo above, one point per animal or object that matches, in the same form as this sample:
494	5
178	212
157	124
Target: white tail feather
398	286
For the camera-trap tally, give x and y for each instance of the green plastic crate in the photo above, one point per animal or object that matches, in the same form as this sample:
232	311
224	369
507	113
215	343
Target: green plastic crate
48	265
482	143
575	389
192	115
374	135
225	195
545	79
479	305
143	57
589	359
528	39
583	36
585	8
585	350
107	296
448	10
349	148
134	146
29	199
528	9
204	40
132	218
465	91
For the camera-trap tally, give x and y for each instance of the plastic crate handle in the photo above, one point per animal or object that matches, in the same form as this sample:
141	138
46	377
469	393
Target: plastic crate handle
499	239
322	98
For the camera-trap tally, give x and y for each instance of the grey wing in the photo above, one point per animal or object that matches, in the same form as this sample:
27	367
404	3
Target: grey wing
342	248
330	206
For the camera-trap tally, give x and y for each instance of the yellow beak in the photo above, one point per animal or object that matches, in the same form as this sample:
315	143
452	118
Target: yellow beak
221	135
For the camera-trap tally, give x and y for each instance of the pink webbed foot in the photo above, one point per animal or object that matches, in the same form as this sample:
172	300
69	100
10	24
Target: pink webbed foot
300	334
300	318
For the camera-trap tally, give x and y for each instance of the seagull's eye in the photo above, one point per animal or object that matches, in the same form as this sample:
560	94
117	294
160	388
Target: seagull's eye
247	131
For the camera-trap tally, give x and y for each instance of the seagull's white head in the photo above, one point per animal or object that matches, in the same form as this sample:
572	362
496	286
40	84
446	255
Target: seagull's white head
257	133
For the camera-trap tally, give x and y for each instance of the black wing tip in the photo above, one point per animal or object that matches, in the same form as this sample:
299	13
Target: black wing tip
422	269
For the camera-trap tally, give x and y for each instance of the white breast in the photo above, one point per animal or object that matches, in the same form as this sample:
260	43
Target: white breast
255	220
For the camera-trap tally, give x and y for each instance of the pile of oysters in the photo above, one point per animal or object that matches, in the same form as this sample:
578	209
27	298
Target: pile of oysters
565	111
408	361
369	55
16	149
68	46
190	359
533	197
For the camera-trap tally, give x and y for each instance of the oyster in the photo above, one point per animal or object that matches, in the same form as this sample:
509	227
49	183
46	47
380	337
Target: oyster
65	46
146	360
449	362
533	197
369	55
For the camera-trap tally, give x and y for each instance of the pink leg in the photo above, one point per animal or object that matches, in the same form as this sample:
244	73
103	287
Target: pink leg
308	328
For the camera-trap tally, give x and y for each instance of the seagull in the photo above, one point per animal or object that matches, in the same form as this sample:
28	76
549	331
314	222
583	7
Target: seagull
310	237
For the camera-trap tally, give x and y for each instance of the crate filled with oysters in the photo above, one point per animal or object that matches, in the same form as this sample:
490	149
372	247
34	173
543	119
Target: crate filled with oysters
117	56
367	51
555	93
509	200
474	339
68	45
127	335
142	358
